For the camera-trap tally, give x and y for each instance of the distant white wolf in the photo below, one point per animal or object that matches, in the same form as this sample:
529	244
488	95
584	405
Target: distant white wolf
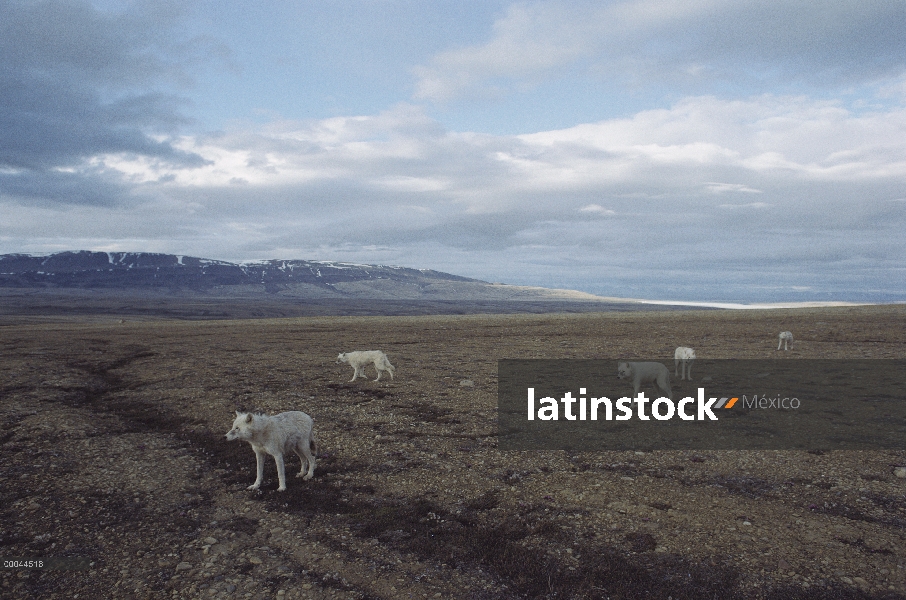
684	355
785	337
361	358
646	373
278	435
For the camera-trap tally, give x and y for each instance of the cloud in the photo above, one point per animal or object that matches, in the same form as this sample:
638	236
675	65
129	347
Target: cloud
693	44
775	147
596	209
722	188
76	82
620	207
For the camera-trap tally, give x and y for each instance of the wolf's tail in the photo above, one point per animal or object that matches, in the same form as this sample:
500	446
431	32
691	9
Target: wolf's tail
313	443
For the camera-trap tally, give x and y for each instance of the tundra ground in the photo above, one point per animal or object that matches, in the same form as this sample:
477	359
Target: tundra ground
112	447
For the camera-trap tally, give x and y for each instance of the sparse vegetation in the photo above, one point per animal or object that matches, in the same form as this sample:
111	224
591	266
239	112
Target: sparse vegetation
112	447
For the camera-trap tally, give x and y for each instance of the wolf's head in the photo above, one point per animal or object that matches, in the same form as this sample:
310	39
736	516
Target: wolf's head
342	358
624	370
242	427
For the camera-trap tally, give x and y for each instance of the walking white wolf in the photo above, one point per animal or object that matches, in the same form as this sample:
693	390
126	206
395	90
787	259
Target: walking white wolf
642	373
359	359
281	434
785	337
684	355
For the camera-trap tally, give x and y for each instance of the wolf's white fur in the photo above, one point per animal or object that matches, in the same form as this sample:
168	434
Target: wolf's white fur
359	359
645	373
278	435
684	355
785	336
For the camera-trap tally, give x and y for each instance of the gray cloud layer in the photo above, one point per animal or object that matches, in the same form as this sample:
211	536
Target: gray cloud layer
754	197
75	83
695	44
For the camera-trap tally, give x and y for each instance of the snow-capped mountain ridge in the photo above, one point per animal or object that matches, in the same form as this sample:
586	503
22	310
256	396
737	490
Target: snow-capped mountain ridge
87	269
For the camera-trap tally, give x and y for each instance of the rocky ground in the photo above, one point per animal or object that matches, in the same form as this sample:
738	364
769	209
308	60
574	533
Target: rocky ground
112	447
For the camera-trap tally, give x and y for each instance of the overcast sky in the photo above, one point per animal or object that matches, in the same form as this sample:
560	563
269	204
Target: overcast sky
698	150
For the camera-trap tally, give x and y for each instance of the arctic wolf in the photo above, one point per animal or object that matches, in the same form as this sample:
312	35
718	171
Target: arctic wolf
360	358
683	355
785	336
645	373
278	435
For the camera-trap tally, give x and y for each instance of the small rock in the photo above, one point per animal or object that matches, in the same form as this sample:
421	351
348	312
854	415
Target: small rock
846	580
210	541
281	592
306	586
183	566
467	383
254	560
231	588
782	565
860	582
900	472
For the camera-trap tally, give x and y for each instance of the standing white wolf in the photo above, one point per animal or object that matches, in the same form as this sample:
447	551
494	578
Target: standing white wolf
684	355
646	373
281	434
785	337
359	359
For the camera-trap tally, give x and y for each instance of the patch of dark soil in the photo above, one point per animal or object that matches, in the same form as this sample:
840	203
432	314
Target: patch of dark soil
115	509
486	501
832	592
841	509
889	503
371	393
11	538
628	470
430	413
240	525
750	487
860	544
515	549
641	542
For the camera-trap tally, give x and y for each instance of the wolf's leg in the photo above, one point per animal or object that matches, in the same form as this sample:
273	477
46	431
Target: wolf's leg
307	457
259	460
665	387
281	472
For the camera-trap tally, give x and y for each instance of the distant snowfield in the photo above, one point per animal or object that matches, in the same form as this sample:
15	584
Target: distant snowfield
567	294
735	306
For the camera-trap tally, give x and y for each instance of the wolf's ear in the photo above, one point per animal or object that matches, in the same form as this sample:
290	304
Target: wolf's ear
248	418
238	413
